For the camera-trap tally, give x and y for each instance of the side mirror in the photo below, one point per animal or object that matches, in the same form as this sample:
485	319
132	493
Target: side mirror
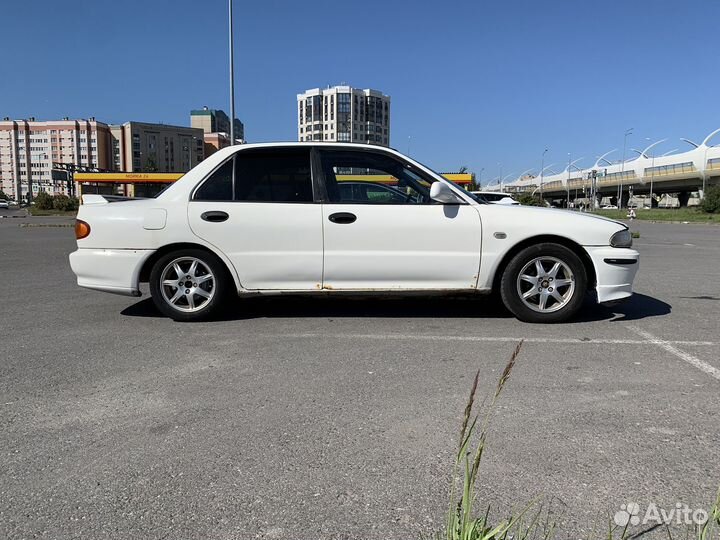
441	192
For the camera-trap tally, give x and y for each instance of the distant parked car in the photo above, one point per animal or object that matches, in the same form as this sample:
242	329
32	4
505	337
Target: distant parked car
609	207
284	218
495	198
4	204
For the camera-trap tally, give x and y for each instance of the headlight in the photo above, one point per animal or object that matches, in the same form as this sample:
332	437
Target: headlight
621	239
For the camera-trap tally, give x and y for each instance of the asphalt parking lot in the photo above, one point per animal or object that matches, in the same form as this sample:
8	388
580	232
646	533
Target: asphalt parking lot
338	418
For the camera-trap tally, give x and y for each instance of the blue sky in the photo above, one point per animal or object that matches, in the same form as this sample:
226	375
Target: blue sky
473	83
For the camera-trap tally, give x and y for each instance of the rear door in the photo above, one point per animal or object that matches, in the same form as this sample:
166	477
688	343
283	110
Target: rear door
258	209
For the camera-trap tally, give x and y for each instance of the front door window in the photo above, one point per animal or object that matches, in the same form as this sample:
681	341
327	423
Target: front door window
364	177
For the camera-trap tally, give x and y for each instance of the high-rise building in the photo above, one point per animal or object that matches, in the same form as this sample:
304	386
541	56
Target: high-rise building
28	149
344	114
141	147
216	127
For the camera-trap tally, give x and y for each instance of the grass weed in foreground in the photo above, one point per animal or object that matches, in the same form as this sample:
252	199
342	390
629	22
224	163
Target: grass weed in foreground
692	215
468	519
463	521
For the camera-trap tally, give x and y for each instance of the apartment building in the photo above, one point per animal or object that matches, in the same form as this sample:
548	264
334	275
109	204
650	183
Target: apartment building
344	114
28	149
143	147
216	128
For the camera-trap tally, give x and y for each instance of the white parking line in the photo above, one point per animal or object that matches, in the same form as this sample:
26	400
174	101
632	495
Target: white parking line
668	346
425	337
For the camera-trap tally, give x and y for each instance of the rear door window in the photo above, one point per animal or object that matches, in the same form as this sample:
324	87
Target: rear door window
281	175
265	175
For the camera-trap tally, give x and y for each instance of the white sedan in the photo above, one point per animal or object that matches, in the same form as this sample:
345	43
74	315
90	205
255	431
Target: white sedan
495	197
272	219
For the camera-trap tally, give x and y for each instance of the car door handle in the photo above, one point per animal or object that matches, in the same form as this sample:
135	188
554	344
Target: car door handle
214	216
342	217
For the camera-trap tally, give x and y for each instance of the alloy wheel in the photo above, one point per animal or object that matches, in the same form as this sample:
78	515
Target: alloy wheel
187	284
546	284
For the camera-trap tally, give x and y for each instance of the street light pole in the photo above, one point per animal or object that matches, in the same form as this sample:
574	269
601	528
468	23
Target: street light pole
652	171
479	185
704	179
542	172
622	167
232	75
652	177
29	195
44	157
567	185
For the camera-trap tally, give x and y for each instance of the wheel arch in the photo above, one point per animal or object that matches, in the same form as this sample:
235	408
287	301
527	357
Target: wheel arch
168	248
543	238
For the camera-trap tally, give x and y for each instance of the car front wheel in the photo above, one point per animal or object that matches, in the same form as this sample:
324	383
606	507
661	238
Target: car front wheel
545	283
189	285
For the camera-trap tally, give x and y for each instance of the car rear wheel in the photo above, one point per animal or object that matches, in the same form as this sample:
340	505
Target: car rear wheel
189	285
545	283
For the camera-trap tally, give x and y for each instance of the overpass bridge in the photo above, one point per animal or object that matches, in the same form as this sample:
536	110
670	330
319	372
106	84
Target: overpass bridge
645	173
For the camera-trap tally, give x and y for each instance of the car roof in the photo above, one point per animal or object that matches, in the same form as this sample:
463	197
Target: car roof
227	151
329	144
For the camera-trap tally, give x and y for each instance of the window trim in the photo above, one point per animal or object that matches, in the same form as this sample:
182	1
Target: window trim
313	182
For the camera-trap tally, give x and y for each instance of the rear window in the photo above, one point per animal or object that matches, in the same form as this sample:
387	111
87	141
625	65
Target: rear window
218	187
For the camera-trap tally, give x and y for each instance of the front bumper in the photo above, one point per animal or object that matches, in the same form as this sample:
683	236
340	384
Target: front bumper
109	270
615	269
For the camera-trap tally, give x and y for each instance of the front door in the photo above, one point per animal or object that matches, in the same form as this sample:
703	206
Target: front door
257	208
382	231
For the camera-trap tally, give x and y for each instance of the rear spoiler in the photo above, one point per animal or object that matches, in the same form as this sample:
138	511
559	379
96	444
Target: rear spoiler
105	199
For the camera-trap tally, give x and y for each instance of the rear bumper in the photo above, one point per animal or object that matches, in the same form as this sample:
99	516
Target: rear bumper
615	269
115	271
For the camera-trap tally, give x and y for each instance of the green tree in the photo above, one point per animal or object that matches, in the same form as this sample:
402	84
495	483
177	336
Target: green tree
711	200
473	184
43	201
3	196
526	199
65	203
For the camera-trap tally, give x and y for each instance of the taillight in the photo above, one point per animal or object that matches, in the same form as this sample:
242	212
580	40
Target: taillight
82	229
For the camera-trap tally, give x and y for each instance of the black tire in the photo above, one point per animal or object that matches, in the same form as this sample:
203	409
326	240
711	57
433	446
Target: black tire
192	304
572	292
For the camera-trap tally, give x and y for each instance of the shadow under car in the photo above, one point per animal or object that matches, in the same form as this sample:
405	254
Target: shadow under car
638	306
